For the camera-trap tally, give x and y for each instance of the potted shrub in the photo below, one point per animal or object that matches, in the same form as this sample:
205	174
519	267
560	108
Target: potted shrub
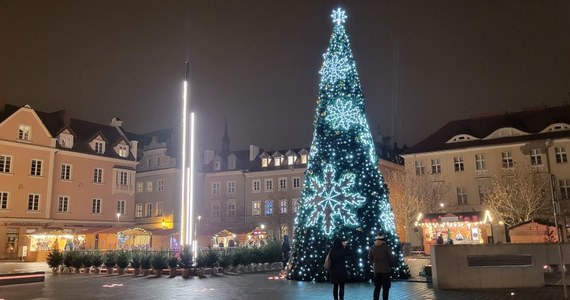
87	260
54	260
67	259
145	263
173	264
76	260
122	260
110	260
186	261
136	262
159	261
224	261
97	261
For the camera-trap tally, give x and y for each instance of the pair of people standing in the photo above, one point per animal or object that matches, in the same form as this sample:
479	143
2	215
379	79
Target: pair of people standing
382	260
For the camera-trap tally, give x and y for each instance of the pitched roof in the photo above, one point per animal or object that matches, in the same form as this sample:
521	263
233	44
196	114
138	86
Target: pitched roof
532	121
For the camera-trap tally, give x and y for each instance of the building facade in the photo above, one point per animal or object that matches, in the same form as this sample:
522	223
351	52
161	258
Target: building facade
61	180
468	154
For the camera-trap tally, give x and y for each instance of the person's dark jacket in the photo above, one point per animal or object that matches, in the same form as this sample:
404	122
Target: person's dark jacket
381	257
338	254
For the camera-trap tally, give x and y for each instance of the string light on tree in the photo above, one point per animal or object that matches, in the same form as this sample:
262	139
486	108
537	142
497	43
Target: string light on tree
344	194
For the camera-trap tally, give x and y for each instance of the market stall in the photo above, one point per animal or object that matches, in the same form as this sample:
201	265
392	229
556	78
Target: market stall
224	238
42	242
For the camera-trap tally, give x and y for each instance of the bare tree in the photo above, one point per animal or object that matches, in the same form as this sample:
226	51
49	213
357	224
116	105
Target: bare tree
413	194
518	195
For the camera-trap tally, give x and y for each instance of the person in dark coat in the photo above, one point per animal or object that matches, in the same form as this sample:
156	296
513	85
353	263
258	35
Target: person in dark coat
338	276
286	249
382	260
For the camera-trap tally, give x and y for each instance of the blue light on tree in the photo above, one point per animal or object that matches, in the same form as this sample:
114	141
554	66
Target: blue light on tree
344	194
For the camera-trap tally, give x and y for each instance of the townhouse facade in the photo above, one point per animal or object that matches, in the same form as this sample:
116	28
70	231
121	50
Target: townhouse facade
467	154
61	180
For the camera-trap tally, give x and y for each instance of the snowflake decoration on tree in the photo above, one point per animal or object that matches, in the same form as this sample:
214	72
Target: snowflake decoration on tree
343	114
338	16
334	68
334	200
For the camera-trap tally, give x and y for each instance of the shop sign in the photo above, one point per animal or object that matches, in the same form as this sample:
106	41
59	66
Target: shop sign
450	219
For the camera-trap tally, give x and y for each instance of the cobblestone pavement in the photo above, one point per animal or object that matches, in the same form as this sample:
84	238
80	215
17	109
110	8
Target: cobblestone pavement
244	286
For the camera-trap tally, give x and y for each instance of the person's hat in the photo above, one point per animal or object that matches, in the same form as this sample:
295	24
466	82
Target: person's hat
380	237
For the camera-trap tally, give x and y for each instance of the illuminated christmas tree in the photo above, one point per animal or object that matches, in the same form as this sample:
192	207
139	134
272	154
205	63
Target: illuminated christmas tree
344	194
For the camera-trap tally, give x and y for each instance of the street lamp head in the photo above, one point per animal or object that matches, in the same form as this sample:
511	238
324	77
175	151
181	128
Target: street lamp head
441	204
199	218
262	226
118	215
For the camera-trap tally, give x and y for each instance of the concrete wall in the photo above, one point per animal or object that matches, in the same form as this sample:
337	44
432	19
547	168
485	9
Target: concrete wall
450	269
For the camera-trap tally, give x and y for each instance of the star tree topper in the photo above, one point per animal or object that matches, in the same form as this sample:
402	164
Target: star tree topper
338	16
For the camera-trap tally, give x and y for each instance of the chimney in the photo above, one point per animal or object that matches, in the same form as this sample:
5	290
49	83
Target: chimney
253	152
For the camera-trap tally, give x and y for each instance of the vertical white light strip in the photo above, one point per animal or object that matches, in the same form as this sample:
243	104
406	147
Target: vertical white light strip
183	186
190	201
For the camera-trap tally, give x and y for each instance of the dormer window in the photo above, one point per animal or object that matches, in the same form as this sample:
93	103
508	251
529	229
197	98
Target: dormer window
290	160
265	160
303	158
123	151
277	161
231	162
99	147
25	133
217	165
66	140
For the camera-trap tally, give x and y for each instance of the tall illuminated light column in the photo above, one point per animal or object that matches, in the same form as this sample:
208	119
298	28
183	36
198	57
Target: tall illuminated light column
186	168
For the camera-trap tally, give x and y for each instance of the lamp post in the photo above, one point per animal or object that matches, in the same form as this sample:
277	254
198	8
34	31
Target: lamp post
118	217
195	242
442	205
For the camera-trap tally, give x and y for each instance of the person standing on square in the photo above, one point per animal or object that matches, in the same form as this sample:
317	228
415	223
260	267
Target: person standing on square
380	255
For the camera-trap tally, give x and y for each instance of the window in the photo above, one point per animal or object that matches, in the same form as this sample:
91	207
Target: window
419	167
283	206
231	207
535	157
231	163
296	183
159	208
482	193
507	158
139	187
256	186
458	163
5	163
24	133
122	179
138	211
99	147
278	161
284	230
290	160
215	208
33	202
268	185
123	151
36	169
565	189
282	184
66	140
149	162
160	185
96	206
149	186
461	196
231	187
268	207
435	166
63	204
215	188
303	158
148	210
3	200
264	162
121	207
217	165
98	175
560	153
480	162
158	161
295	203
256	208
65	173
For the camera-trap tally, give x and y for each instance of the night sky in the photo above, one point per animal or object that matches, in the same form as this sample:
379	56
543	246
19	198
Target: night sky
256	63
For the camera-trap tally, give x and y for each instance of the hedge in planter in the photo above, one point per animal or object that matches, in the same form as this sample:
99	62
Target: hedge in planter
159	261
97	261
110	260
54	260
67	260
87	260
76	260
146	262
136	257
122	260
186	261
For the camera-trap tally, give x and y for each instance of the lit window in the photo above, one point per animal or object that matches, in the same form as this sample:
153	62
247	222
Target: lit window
24	133
231	187
458	164
435	166
231	207
139	187
96	206
121	204
296	202
291	160
65	173
98	175
264	162
283	206
507	158
256	208
535	157
123	151
560	153
303	158
268	207
139	211
33	202
3	200
277	161
36	169
63	204
480	162
5	164
419	167
149	186
256	186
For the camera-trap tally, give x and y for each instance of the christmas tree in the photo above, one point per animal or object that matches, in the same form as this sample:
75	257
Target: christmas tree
344	194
